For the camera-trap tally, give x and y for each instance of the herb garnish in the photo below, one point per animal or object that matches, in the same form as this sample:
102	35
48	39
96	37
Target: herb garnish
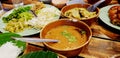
69	36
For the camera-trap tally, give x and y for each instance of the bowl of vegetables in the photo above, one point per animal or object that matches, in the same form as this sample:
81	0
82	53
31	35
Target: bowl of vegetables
80	12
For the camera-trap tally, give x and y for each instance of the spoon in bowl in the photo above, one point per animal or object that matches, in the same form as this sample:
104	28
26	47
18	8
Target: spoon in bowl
26	39
94	6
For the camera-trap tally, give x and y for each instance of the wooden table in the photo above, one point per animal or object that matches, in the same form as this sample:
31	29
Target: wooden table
102	44
102	47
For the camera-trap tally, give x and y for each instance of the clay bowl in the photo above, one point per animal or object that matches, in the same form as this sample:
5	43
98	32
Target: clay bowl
69	52
89	21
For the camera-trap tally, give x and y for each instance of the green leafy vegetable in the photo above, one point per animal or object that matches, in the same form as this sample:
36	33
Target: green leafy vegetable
6	37
40	54
15	13
69	36
26	15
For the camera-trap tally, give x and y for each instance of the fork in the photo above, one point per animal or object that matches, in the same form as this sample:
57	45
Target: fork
93	7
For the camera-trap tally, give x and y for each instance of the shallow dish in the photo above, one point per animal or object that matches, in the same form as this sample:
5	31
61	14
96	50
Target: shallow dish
25	32
104	17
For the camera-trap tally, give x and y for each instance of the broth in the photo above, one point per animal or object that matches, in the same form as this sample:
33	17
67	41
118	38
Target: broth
69	37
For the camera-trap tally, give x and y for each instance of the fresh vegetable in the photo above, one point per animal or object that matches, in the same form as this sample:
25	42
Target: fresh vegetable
18	25
15	13
26	16
40	54
6	37
16	21
69	36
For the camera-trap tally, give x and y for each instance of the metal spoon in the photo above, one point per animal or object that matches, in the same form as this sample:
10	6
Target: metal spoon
26	39
94	6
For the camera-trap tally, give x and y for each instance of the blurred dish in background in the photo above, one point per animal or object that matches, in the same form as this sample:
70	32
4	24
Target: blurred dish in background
1	9
69	2
46	1
114	15
59	3
104	17
17	3
7	4
83	14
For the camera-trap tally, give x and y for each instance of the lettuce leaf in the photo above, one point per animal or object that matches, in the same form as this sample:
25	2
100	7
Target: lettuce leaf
40	54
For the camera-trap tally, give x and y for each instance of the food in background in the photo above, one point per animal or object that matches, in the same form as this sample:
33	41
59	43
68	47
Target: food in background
17	25
15	13
114	15
16	21
79	13
59	3
69	37
37	6
45	16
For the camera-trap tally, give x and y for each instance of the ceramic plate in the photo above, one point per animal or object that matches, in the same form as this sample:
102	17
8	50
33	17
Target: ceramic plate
105	18
26	32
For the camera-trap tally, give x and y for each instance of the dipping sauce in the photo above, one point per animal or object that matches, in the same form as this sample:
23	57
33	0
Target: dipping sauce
69	37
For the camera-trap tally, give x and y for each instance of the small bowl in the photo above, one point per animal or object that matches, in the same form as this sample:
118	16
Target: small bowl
59	3
89	21
79	24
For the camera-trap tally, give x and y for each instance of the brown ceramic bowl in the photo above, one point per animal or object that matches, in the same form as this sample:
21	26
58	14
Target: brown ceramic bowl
89	21
75	23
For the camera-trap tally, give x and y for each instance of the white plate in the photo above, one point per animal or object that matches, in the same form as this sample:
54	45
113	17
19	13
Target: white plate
26	32
105	18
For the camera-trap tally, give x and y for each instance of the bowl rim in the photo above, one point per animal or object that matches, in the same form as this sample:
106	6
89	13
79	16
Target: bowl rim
97	13
89	38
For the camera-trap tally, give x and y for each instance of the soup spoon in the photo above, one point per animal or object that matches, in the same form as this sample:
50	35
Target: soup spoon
26	39
94	6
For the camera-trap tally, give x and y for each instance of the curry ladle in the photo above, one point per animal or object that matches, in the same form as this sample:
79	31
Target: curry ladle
94	6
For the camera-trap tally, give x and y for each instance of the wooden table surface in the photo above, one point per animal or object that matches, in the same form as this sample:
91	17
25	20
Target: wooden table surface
98	47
